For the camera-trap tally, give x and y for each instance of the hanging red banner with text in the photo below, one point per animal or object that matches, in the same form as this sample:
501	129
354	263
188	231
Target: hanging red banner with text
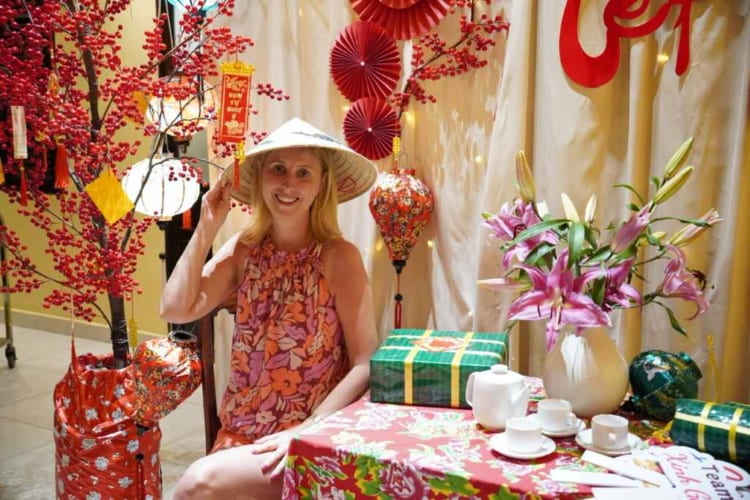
235	101
621	20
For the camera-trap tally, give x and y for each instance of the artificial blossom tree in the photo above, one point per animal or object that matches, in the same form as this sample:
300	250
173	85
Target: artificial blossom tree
66	97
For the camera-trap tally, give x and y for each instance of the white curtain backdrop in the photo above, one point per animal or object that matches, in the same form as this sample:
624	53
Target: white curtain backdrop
578	140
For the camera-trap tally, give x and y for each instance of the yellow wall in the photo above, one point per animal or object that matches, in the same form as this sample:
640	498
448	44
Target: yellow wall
150	273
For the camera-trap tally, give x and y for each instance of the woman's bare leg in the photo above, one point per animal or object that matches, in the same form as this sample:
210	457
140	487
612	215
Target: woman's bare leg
232	473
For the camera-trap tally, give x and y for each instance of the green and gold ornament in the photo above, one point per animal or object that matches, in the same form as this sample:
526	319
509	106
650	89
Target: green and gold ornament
658	379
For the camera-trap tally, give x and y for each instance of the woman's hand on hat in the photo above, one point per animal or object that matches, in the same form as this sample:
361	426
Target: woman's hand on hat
216	203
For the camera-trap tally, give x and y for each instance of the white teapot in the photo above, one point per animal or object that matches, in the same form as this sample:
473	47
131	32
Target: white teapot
495	395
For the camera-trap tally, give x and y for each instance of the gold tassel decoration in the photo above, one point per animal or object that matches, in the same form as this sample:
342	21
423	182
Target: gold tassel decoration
2	174
239	156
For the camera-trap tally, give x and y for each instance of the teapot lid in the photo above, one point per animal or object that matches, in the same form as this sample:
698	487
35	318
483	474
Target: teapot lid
504	375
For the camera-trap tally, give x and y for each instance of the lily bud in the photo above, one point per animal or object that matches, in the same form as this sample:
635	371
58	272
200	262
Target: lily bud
525	178
590	213
672	185
688	233
542	209
678	158
570	210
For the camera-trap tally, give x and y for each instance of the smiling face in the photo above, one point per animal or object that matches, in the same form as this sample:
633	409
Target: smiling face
290	180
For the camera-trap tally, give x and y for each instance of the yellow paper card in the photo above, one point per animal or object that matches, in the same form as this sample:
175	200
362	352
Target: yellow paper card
109	197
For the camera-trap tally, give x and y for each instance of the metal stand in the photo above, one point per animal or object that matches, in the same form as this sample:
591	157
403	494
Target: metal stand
10	351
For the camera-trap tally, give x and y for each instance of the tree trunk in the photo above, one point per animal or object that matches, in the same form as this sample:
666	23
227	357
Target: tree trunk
119	331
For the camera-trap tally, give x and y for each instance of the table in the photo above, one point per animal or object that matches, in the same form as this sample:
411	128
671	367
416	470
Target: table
374	449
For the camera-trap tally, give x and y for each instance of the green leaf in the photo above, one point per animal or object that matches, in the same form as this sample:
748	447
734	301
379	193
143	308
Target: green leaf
673	320
591	236
576	237
633	207
632	190
540	251
487	215
600	255
597	290
539	228
655	182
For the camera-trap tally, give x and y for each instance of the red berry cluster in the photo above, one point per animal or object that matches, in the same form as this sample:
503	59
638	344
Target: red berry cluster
61	61
433	58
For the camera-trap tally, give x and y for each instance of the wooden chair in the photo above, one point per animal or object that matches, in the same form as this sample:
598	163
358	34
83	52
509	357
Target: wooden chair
205	330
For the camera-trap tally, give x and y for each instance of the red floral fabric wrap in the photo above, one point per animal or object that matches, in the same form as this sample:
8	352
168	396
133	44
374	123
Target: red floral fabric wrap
167	371
100	452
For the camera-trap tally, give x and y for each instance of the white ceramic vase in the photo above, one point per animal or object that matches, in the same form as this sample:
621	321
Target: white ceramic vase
588	370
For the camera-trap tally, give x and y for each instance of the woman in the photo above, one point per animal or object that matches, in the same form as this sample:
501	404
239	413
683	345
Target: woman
305	328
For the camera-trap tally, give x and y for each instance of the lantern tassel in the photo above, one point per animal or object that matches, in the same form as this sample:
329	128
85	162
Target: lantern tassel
2	174
62	174
24	187
399	265
187	219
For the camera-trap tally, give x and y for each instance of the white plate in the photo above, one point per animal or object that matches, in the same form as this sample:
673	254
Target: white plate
500	445
571	431
583	439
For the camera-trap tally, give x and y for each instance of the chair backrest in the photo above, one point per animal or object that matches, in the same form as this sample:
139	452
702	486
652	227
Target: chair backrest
205	331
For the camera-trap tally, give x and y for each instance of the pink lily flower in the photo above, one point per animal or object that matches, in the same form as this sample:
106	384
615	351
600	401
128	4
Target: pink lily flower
682	283
559	297
509	222
617	291
629	231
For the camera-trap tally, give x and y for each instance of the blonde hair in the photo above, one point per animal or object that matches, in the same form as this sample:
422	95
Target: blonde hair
324	222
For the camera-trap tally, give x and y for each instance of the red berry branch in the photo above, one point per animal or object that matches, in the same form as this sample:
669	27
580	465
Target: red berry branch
61	62
461	56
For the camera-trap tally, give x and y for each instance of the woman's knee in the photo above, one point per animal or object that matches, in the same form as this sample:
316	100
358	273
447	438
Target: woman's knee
200	480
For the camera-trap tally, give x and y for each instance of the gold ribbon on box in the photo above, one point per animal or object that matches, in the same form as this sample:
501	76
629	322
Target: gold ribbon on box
425	342
732	427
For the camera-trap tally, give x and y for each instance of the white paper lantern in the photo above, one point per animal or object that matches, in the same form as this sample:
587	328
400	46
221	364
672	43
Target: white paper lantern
183	108
165	192
203	5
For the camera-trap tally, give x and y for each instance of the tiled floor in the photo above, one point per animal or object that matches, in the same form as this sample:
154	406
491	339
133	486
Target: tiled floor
27	452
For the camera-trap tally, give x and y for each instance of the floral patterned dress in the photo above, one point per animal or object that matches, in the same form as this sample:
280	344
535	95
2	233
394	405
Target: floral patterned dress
288	349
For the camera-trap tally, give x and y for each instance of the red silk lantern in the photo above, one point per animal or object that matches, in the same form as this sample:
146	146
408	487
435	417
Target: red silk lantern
401	205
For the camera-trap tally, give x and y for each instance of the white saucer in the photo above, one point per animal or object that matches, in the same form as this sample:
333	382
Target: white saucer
583	439
570	431
500	445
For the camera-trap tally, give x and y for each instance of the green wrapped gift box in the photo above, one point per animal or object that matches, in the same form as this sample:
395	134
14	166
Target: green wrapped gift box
720	429
431	367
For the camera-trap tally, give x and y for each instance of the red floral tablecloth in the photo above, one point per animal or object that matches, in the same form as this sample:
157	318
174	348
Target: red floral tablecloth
398	451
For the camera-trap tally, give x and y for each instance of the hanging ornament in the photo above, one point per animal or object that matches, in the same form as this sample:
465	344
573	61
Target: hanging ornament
108	196
370	126
364	61
236	81
62	174
401	205
2	174
161	186
402	19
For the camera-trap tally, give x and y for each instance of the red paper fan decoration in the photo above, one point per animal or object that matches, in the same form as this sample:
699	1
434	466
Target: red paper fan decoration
370	126
365	61
402	19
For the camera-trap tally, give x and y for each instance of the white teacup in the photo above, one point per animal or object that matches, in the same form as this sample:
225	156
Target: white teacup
609	432
523	434
556	414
